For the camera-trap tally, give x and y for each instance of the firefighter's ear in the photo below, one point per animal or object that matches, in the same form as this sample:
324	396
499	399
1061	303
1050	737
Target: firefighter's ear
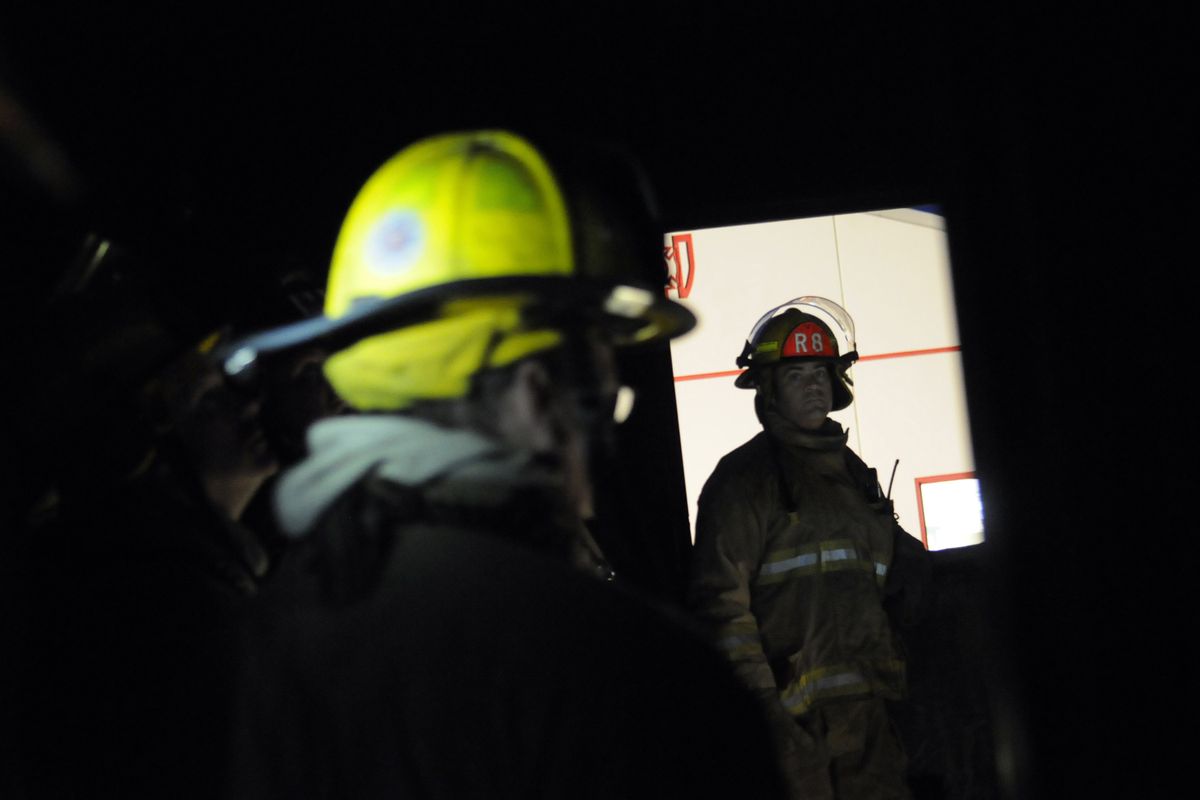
531	412
764	396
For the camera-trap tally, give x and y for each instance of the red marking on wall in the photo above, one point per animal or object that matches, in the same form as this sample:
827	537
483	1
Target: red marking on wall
702	375
909	353
955	476
681	270
881	356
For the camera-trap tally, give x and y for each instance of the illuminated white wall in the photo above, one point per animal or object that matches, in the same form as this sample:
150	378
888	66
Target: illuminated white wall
890	270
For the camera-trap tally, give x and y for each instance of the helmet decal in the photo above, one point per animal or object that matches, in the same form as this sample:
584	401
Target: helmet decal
809	339
396	242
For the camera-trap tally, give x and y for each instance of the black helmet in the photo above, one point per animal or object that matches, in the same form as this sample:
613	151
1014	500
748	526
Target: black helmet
803	328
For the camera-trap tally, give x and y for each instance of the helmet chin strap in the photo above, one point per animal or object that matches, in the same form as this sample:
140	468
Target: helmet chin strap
764	396
744	359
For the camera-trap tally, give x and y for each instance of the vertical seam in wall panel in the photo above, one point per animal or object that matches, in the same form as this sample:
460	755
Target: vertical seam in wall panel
837	252
837	255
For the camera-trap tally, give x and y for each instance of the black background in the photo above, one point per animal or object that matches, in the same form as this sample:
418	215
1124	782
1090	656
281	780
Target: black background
1056	141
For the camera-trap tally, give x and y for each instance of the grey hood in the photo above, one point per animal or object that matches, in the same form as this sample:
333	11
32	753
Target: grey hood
344	449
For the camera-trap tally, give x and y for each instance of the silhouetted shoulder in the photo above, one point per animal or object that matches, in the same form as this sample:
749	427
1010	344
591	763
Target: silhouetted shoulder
747	464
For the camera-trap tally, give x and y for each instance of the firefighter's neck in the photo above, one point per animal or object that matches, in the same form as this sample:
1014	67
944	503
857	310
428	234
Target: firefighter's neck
788	430
231	494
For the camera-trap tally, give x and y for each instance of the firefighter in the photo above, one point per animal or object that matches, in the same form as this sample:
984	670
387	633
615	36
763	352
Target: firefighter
796	550
439	628
133	571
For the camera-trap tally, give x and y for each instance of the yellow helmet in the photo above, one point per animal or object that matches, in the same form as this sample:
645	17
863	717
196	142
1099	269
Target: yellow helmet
466	251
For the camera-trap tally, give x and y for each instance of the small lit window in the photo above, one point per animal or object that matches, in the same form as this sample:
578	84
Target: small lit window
951	511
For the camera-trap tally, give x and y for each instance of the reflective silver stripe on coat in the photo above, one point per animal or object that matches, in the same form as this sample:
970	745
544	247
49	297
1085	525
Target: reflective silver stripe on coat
736	641
830	555
841	554
881	569
834	681
775	567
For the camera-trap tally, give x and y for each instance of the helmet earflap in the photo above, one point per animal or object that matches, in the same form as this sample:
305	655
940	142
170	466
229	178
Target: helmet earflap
843	396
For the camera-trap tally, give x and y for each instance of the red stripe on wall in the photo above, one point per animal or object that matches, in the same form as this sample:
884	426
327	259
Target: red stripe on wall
702	375
908	353
699	376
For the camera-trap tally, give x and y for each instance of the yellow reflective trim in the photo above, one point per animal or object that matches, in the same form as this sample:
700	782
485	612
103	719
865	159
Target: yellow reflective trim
839	680
831	555
739	640
843	565
742	651
209	342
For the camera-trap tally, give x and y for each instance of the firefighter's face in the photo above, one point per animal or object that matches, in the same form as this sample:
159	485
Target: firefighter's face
804	393
560	420
296	395
218	428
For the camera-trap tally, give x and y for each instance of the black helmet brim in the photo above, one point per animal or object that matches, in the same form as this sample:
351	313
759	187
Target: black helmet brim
629	314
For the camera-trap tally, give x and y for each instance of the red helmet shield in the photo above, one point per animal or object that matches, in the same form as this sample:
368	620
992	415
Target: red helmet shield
809	340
